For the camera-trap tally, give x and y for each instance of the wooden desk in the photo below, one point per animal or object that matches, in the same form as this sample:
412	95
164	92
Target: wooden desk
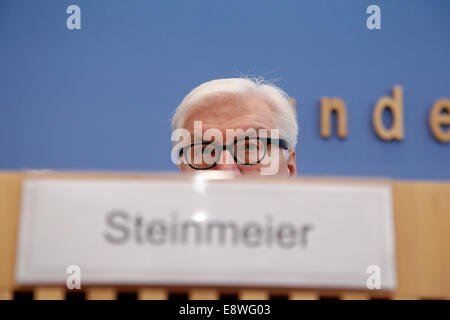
422	231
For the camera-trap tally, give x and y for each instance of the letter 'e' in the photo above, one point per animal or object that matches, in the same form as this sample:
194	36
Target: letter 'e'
439	117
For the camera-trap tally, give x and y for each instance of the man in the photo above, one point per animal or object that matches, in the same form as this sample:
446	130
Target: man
242	125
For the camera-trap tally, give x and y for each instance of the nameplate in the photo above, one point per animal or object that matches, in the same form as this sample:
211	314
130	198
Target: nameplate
241	233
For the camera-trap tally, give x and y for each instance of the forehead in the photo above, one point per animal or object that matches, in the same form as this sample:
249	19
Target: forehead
230	113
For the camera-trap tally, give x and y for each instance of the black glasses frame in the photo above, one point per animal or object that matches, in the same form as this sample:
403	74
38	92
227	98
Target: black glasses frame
230	147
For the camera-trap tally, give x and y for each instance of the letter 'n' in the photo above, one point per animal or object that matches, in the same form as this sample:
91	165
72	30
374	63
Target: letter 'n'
327	107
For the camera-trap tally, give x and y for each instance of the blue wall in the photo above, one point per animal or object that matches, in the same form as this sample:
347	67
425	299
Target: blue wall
102	97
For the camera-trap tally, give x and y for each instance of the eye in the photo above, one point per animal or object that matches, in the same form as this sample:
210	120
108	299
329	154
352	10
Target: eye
251	146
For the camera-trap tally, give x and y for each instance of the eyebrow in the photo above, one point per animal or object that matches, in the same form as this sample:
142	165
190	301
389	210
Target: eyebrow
256	128
191	132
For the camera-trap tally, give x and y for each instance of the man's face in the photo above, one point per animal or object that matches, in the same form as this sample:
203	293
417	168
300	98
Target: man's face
250	113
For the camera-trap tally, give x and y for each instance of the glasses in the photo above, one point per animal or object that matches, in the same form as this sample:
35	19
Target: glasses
245	151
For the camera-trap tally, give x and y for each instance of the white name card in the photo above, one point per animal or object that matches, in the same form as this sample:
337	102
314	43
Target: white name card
206	233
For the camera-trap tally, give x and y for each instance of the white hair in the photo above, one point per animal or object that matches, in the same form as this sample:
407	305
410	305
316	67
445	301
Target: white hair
283	114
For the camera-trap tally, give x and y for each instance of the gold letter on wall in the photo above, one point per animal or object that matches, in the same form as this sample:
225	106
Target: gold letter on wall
327	106
292	103
439	119
395	104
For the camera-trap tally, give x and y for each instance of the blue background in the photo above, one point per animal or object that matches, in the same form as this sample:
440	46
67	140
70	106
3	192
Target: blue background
102	97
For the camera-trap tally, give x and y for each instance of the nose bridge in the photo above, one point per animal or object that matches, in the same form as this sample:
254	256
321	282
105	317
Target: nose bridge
226	157
226	161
